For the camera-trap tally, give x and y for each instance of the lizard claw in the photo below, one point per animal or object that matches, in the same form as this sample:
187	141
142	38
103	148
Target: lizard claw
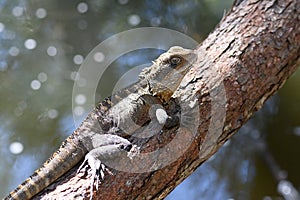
96	170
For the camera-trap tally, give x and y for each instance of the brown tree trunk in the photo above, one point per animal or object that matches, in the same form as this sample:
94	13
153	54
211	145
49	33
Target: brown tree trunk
245	60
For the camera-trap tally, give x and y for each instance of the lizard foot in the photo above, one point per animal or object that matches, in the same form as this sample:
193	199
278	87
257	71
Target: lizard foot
96	170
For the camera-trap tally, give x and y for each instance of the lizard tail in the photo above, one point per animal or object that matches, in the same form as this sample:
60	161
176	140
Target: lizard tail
61	161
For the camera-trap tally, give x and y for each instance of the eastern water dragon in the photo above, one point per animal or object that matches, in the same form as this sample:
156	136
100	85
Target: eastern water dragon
97	140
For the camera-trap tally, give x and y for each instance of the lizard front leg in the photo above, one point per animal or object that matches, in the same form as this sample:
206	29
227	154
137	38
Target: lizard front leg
105	148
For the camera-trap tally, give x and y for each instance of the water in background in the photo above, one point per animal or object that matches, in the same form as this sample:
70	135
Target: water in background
42	45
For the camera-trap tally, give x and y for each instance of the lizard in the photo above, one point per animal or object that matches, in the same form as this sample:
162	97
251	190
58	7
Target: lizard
96	140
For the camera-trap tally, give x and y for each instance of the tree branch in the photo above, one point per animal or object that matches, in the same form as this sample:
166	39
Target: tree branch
245	60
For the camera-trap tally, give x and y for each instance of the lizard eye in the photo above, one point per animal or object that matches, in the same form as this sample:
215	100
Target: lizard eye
175	60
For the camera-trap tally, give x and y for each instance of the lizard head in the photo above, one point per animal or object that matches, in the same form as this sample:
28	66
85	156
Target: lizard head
168	70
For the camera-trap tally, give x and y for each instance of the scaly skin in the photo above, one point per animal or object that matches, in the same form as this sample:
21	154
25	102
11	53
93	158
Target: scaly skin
157	82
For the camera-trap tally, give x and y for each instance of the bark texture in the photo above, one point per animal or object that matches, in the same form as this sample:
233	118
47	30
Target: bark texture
245	60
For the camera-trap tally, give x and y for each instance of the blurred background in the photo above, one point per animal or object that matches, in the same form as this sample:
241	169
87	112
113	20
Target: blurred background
43	43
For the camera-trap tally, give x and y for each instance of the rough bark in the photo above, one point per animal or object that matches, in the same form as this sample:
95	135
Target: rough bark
245	60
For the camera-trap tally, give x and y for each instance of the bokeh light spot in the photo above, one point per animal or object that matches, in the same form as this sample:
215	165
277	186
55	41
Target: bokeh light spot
42	77
99	57
35	84
80	99
78	110
52	113
155	21
51	51
134	20
14	51
17	11
78	59
41	13
30	44
16	147
82	7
